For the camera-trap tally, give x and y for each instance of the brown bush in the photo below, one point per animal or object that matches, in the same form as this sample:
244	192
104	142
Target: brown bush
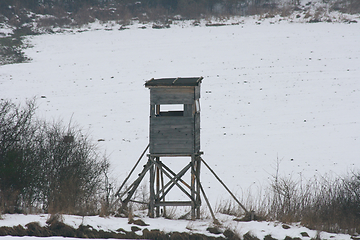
52	21
40	168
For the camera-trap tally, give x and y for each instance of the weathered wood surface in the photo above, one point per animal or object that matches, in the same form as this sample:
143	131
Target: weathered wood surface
171	135
197	132
174	82
174	203
175	120
197	92
189	110
171	114
162	149
183	95
174	132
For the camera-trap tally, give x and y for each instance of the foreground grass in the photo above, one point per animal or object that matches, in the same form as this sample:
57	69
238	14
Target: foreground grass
323	203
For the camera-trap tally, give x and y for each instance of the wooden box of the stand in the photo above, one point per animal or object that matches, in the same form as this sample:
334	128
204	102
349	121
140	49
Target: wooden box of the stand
174	116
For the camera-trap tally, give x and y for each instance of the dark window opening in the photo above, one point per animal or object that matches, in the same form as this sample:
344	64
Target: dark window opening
169	110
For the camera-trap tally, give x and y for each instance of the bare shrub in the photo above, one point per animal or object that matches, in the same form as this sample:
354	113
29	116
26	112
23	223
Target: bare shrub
228	207
191	9
73	169
335	208
83	16
53	21
45	165
16	134
323	203
346	6
307	14
286	11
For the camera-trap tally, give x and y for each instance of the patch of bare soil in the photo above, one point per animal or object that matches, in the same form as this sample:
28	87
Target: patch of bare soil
58	228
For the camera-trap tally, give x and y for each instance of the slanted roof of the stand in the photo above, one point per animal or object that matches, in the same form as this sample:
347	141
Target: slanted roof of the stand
169	82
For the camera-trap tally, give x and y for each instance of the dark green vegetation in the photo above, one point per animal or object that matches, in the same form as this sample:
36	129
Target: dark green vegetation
11	47
157	8
46	167
29	17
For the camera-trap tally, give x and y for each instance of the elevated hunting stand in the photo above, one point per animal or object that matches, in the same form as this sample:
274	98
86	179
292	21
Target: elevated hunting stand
174	132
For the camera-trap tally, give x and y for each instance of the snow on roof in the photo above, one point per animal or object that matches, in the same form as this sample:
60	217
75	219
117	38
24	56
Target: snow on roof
187	81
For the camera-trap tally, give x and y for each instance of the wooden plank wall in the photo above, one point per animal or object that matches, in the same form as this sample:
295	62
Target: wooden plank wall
167	95
175	134
197	92
172	135
197	133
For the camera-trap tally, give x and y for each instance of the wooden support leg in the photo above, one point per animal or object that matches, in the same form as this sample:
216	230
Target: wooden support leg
131	190
157	187
162	187
242	206
193	175
207	202
152	191
198	198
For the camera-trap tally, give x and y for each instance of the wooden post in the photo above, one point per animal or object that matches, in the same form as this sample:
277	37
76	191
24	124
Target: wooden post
162	187
193	175
242	206
157	187
132	170
157	110
198	199
207	202
152	191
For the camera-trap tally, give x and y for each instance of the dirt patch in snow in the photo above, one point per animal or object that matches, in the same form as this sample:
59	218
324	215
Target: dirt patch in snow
58	228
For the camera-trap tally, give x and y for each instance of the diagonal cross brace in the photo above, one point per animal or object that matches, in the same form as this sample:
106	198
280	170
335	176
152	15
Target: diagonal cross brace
136	183
174	174
227	189
132	170
174	180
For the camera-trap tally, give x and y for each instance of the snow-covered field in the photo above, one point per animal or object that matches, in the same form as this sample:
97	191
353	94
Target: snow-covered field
259	229
272	90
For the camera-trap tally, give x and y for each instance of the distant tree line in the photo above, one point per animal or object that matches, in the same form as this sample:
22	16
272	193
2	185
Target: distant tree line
74	5
170	6
82	11
46	167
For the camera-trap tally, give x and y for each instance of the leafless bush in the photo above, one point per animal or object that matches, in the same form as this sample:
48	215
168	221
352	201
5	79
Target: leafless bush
53	21
83	16
46	165
323	203
159	14
346	6
228	207
72	169
335	207
191	9
16	132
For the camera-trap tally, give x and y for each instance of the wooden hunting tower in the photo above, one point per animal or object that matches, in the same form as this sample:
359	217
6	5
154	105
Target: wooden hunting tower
174	132
174	116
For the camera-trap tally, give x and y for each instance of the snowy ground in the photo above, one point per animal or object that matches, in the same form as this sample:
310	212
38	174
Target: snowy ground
259	229
271	90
